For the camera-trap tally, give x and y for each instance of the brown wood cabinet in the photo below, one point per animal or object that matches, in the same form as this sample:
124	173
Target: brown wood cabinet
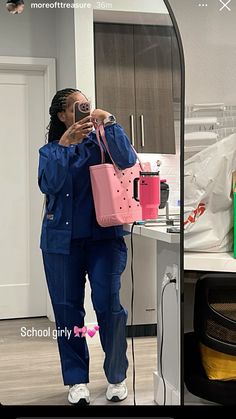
134	81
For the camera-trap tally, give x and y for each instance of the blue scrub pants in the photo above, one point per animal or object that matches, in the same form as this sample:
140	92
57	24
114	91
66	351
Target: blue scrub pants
103	261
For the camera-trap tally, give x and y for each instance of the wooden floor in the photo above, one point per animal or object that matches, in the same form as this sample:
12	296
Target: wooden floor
31	373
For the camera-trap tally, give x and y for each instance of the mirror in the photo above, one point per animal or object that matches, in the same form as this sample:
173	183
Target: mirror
126	58
209	166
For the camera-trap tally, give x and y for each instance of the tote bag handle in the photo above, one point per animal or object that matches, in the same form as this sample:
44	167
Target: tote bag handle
100	130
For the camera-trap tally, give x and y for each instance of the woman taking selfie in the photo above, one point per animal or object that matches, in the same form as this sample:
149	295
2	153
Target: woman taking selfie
73	244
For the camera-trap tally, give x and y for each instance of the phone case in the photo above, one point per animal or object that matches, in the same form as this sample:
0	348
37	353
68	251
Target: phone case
81	110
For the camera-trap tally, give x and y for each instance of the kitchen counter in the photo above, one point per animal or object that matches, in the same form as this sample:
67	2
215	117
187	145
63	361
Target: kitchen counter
215	262
155	232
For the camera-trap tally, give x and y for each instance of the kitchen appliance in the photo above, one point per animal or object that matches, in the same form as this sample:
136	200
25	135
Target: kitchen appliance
148	194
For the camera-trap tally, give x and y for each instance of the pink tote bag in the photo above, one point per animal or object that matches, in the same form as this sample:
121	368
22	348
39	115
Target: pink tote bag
113	189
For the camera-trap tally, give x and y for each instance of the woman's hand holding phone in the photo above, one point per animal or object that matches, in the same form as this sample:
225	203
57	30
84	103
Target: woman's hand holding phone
82	126
77	132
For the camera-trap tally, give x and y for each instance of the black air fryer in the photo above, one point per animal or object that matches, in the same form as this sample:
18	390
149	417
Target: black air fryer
164	193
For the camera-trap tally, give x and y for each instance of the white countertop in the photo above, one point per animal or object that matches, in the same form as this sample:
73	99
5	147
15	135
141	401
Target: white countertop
221	262
154	232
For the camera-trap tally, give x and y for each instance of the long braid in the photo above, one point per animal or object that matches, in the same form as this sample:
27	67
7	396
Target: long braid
56	128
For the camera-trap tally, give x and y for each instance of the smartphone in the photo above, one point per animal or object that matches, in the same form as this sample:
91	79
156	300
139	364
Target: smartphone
81	110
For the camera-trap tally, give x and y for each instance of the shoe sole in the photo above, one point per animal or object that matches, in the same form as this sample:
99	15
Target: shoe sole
81	402
116	399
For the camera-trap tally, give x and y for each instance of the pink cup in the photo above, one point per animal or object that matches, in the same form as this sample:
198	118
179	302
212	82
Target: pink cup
149	194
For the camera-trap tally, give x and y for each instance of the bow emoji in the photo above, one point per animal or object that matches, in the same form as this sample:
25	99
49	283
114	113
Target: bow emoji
78	330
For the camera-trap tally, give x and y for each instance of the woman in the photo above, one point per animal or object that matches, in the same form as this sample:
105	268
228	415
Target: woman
73	244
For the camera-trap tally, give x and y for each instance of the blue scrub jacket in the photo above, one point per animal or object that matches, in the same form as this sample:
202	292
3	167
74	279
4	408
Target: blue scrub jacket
55	179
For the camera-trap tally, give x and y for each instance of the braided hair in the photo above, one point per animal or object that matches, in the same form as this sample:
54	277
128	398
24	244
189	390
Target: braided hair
16	2
56	128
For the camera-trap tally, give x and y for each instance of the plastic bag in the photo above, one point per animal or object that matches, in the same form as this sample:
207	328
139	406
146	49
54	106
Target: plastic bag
208	202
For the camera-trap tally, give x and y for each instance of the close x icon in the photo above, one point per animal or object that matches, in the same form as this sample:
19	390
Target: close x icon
225	5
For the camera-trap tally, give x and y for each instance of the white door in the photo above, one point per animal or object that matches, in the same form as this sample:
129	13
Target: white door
22	129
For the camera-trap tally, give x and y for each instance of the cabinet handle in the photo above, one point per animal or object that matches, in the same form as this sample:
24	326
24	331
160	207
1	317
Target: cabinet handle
132	129
142	131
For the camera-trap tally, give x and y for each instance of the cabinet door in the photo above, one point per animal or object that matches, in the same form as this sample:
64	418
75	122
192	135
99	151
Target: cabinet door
114	61
153	88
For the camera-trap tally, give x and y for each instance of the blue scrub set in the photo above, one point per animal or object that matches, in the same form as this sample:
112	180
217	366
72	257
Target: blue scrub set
73	245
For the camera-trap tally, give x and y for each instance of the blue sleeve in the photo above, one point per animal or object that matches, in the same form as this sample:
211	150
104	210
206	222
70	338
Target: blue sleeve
53	167
120	147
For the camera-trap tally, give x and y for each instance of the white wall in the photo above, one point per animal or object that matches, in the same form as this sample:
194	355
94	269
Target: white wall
209	40
41	33
30	34
65	48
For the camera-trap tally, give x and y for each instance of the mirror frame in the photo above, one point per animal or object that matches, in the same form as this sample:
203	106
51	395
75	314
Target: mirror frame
182	118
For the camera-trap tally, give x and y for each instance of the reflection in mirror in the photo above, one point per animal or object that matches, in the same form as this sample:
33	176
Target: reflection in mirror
126	60
135	65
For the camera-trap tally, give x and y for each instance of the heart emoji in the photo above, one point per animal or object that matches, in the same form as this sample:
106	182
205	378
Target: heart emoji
96	327
91	332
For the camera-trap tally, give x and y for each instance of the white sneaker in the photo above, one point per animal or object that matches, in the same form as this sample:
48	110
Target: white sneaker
79	394
117	392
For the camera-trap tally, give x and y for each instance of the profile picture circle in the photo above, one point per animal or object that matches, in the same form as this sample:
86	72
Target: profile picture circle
15	6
